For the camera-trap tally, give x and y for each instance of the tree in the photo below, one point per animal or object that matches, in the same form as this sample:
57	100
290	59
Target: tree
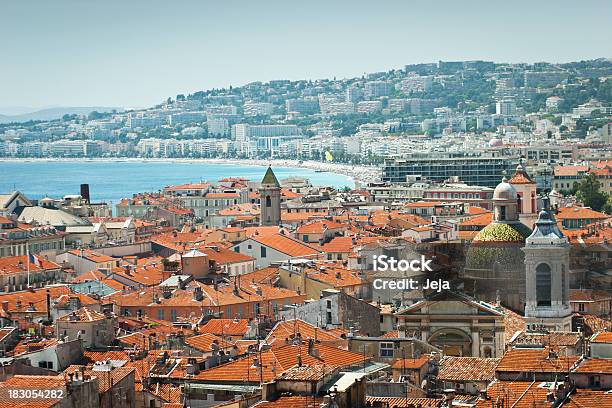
607	208
588	191
93	115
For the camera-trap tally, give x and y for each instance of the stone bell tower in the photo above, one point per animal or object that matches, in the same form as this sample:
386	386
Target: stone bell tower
270	199
547	262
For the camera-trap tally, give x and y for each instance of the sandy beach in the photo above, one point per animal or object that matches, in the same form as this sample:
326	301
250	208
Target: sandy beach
355	172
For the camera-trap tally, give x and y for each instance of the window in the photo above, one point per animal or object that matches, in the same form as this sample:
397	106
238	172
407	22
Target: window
386	349
329	318
595	381
543	285
263	251
581	307
160	314
173	315
268	201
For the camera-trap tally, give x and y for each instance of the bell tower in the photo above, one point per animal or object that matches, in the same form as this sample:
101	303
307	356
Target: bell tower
270	199
547	253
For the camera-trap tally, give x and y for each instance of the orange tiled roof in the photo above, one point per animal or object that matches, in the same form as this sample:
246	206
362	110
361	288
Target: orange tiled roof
589	295
277	360
335	275
410	363
36	296
602	337
569	170
286	329
293	401
223	256
595	365
105	380
574	213
582	398
286	245
475	210
82	315
94	275
265	275
535	360
317	227
516	394
204	342
226	327
480	220
19	264
467	368
339	245
92	255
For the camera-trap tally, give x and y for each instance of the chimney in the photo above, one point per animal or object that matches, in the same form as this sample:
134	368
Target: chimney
255	362
198	294
483	394
5	305
85	192
48	306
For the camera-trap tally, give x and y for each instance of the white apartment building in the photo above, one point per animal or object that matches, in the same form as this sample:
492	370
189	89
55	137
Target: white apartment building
506	107
218	126
258	108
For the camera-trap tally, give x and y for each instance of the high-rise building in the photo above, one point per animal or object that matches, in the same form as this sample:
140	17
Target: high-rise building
478	170
307	106
506	107
258	109
243	131
354	94
217	126
375	89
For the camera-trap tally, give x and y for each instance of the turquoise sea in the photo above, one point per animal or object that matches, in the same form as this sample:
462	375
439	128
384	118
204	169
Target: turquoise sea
111	181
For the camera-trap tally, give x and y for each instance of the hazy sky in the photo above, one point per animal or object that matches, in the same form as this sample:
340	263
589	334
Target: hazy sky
135	53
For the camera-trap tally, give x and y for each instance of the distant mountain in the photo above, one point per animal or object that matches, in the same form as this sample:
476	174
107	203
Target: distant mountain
55	113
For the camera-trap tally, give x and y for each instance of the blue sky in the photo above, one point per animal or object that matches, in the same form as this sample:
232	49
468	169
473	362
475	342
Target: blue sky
135	52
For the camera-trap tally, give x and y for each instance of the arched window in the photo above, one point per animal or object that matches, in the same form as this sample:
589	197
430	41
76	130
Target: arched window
268	201
543	284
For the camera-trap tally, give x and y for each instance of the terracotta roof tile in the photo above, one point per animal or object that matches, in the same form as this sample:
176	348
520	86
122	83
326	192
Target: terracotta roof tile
286	245
573	213
226	327
595	365
467	368
535	360
602	337
410	363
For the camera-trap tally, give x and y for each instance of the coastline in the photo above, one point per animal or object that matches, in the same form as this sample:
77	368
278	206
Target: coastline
357	173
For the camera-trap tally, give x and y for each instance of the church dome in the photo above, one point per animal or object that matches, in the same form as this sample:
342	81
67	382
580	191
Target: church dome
505	191
498	232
